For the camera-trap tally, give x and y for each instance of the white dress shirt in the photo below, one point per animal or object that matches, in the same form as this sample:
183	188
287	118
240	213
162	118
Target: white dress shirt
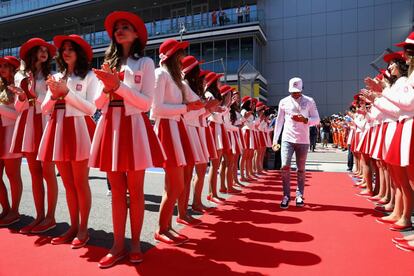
295	132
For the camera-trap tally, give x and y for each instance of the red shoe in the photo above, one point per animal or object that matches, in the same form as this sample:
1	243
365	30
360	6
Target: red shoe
365	194
405	247
77	243
223	190
381	209
43	228
10	222
61	240
373	199
234	191
383	202
214	199
136	257
207	210
110	260
171	241
398	240
385	221
401	228
27	229
192	222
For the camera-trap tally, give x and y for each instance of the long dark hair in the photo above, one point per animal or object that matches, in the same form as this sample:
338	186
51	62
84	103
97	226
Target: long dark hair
114	53
402	68
233	115
174	68
247	105
82	65
31	59
6	96
213	89
194	80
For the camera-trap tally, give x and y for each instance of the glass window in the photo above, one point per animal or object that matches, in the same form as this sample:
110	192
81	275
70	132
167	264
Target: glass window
207	56
233	52
247	50
195	50
219	55
150	53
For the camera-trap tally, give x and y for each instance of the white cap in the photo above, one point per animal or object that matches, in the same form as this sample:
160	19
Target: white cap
295	85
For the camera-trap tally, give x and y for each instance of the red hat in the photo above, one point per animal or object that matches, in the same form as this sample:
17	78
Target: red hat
188	63
254	100
225	89
356	97
408	40
169	47
11	60
394	56
211	77
203	73
132	18
33	42
260	106
245	99
59	39
354	103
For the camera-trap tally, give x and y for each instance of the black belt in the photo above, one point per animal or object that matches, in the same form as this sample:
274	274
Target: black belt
60	106
116	103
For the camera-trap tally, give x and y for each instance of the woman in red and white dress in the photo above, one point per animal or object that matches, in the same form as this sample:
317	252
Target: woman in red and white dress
261	127
238	123
9	162
168	106
193	78
246	164
124	144
227	163
212	92
191	84
69	101
31	88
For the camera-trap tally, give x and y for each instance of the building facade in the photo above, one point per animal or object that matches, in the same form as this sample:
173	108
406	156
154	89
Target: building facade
329	43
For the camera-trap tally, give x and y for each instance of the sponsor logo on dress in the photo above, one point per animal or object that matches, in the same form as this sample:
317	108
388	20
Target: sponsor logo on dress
137	79
78	87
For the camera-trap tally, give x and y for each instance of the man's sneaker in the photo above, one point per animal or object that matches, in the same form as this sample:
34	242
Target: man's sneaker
299	201
285	203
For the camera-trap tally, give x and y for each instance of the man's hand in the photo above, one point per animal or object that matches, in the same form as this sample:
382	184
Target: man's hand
300	118
275	147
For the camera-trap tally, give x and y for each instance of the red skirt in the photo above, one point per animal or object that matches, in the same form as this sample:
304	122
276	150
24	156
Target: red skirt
27	132
262	139
175	141
211	145
125	143
401	150
241	137
220	137
66	138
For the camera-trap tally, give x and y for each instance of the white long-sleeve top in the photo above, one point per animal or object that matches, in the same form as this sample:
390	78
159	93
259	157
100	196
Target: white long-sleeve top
137	88
227	122
40	89
80	99
295	132
193	117
248	121
168	100
216	117
360	122
404	98
390	110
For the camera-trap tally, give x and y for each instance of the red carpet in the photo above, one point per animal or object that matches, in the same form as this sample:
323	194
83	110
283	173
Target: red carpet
335	234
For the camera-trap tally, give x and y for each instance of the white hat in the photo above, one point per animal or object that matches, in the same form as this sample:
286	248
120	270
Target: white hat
295	85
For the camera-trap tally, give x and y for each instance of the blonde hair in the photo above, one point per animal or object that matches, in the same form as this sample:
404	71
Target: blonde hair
6	96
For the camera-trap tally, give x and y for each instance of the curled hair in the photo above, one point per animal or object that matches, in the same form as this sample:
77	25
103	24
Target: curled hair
31	59
194	80
247	106
174	68
402	67
82	64
115	52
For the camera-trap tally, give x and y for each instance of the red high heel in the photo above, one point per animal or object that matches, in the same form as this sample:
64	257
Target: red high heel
110	260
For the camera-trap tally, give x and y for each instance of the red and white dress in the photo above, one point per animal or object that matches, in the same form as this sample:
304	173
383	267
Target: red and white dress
401	151
207	139
30	123
247	130
192	122
239	124
68	133
391	114
217	128
124	139
167	110
8	116
232	132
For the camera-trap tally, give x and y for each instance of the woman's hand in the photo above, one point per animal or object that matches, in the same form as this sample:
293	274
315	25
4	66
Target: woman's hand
373	85
58	88
18	92
108	77
196	105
